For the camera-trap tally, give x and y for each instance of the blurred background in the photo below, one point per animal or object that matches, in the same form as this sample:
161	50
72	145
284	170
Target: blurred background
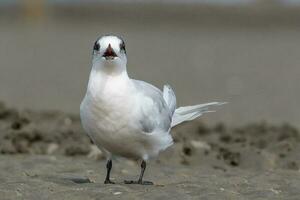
246	52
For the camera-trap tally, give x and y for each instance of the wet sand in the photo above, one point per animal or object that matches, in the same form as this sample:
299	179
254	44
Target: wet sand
47	154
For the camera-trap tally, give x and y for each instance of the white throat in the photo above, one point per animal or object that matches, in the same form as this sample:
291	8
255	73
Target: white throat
108	78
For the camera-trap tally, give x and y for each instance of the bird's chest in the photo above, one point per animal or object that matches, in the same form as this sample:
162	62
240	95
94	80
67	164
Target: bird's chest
110	110
108	122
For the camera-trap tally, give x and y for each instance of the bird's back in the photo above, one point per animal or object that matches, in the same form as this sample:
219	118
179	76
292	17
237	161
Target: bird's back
156	114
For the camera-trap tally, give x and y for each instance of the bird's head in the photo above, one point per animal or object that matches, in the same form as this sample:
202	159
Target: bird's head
109	52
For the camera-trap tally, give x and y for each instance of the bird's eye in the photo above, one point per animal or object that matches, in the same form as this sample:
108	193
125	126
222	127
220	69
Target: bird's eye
96	46
122	47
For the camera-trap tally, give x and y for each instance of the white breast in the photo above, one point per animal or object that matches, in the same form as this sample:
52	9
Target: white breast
106	113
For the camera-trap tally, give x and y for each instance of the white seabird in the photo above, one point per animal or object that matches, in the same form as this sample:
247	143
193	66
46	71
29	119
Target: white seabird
128	117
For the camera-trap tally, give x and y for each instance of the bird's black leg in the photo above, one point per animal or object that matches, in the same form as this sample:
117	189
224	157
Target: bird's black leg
140	180
108	168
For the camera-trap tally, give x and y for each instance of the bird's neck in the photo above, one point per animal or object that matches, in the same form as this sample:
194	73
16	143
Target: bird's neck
103	80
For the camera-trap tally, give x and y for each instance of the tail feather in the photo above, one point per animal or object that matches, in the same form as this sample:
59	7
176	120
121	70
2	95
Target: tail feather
189	113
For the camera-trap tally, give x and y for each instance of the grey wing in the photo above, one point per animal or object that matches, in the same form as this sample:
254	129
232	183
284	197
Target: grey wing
156	115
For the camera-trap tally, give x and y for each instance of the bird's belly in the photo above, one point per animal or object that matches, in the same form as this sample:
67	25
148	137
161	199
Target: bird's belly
130	143
111	129
120	140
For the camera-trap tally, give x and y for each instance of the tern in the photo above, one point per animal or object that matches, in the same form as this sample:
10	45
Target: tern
126	117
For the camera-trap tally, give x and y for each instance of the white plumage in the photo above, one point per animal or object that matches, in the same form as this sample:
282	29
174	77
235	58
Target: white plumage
128	117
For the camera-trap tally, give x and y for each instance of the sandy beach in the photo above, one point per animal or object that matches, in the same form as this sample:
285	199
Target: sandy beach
46	155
